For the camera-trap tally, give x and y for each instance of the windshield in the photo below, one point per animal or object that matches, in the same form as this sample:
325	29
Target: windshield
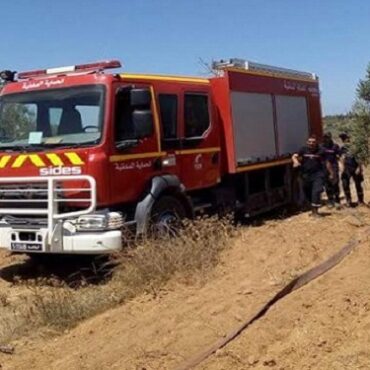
60	117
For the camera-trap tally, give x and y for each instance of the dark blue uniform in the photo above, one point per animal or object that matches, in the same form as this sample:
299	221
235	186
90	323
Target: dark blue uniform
313	173
331	153
351	165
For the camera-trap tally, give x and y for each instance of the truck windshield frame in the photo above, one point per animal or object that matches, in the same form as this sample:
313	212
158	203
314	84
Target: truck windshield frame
68	116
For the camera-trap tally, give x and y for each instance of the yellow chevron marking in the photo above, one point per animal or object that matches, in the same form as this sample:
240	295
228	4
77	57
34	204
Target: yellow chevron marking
55	159
74	158
19	161
34	158
4	160
37	161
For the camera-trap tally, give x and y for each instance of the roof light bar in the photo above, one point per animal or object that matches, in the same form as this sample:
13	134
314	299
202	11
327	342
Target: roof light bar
88	67
258	67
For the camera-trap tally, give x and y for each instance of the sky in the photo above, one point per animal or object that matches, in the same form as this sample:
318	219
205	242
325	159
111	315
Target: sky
328	37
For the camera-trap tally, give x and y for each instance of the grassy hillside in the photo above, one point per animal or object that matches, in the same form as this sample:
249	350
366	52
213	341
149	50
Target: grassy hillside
337	124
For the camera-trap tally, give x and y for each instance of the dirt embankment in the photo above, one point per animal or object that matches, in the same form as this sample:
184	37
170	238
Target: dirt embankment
322	326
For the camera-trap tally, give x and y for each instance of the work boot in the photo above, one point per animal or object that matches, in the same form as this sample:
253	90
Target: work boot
330	204
315	212
337	206
361	200
362	204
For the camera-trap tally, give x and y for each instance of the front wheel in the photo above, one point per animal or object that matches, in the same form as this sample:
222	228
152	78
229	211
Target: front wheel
166	215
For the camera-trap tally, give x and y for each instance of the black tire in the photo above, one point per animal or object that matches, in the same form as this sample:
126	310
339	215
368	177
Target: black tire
166	215
41	258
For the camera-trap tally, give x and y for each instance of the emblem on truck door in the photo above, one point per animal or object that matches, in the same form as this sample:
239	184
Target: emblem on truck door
198	165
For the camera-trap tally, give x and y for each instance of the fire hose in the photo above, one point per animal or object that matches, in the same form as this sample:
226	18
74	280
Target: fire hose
293	285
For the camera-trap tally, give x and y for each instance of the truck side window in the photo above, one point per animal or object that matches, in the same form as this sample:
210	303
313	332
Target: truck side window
168	109
124	129
196	115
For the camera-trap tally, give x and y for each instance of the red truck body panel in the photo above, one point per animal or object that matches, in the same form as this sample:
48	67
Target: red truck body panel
246	82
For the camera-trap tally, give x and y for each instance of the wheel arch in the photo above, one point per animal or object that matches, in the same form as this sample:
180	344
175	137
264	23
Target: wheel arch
160	186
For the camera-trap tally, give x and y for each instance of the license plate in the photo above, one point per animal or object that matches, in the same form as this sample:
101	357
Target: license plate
26	247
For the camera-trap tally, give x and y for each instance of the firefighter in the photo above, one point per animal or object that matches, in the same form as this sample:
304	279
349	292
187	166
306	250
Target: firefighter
352	168
312	162
332	153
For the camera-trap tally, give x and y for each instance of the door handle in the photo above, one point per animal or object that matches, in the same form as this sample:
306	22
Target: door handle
215	158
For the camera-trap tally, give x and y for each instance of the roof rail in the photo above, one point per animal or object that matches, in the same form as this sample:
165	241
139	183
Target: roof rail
87	67
243	64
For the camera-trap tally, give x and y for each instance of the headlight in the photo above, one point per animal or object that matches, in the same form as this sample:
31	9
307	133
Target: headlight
98	222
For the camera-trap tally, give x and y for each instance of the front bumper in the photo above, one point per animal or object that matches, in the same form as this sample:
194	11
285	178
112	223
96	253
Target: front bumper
28	227
36	241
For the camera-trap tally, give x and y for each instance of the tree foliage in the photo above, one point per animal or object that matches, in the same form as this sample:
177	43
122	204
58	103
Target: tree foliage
360	117
363	89
336	124
17	120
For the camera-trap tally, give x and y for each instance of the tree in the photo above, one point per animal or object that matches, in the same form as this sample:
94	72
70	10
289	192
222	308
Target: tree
16	120
363	89
360	117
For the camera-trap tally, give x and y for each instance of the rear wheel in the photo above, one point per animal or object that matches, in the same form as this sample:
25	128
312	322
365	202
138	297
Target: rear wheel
166	215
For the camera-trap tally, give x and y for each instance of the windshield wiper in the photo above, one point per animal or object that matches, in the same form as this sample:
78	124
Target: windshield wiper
6	140
44	146
70	145
23	148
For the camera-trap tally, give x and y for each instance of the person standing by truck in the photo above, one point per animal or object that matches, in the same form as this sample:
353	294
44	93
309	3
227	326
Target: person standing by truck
313	164
352	169
332	154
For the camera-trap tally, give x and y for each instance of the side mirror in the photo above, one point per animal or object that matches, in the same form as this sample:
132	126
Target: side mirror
140	97
143	123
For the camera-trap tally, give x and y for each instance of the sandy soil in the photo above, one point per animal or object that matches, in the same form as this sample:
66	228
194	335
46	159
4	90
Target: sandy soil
325	325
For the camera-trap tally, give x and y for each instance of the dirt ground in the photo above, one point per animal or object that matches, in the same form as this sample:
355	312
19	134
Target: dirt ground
324	325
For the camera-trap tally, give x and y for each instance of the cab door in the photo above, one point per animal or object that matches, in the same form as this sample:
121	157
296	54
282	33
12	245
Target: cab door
168	98
199	155
136	147
190	138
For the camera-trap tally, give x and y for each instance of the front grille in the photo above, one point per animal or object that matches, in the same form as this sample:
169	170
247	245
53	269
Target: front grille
23	196
27	202
22	191
24	222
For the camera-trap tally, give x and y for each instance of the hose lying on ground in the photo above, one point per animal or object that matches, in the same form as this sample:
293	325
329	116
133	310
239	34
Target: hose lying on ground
295	284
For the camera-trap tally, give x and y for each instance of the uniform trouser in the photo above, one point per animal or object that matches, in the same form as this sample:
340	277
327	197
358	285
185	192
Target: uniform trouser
358	179
332	187
313	187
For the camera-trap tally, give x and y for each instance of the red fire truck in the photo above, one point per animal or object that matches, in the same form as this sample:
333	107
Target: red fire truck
84	153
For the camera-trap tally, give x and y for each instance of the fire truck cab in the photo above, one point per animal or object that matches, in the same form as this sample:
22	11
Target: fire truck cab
84	153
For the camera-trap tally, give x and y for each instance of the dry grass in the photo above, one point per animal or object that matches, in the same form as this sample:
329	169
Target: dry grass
145	267
62	307
196	248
